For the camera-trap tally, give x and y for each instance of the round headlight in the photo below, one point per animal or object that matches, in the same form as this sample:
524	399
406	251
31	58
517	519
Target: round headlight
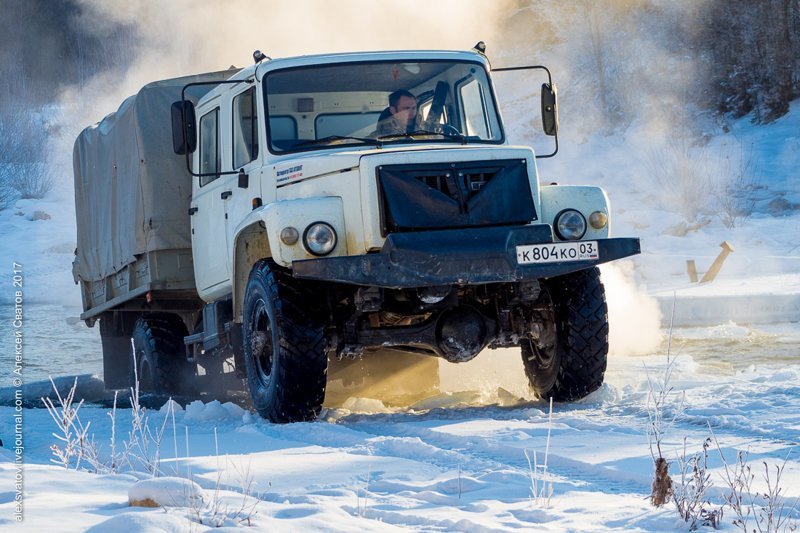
570	225
320	238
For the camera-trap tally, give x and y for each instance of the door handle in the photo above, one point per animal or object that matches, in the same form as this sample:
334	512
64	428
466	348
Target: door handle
192	211
225	195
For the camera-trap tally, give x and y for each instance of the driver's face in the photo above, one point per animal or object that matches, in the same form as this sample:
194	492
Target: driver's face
405	110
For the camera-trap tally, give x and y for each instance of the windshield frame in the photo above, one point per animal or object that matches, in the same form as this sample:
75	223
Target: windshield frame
429	139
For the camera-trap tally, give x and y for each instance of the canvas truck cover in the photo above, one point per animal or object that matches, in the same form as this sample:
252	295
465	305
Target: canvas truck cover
132	192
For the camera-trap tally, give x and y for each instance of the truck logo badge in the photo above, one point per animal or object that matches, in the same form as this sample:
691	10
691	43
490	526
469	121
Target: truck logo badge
290	174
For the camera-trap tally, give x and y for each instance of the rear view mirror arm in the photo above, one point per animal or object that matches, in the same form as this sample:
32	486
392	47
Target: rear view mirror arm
185	126
548	88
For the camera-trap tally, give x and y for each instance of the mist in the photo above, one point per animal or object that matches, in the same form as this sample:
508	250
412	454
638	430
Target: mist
153	41
184	37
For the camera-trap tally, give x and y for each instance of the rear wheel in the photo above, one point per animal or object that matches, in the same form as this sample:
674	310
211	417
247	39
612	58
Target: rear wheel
159	356
567	359
284	346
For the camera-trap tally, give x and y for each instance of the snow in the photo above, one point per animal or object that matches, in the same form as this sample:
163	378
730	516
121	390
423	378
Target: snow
452	467
456	461
165	492
136	522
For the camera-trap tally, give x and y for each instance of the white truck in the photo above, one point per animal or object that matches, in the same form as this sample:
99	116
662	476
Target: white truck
256	224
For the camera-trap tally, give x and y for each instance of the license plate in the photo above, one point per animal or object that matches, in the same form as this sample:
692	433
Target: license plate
557	252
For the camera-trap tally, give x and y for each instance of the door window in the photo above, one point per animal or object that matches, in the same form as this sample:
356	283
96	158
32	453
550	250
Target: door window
474	109
245	128
209	147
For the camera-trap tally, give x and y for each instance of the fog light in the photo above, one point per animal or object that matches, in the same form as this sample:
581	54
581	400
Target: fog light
570	225
289	236
598	220
320	238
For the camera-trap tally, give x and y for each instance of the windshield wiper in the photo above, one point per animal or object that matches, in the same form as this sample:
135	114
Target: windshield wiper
331	138
410	135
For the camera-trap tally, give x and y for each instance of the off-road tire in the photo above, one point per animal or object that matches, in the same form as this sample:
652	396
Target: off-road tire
573	363
161	365
284	345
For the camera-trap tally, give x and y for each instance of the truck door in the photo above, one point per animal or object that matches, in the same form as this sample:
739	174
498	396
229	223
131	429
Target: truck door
245	141
209	239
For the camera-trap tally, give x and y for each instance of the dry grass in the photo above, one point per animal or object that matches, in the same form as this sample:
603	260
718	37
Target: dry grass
541	489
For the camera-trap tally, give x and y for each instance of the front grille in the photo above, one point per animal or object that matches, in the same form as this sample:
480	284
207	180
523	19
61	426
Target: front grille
455	195
449	182
476	180
439	182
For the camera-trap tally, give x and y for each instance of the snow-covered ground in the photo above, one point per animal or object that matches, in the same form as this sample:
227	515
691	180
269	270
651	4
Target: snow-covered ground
455	463
460	461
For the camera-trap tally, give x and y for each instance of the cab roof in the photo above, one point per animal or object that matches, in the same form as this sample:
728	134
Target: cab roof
261	69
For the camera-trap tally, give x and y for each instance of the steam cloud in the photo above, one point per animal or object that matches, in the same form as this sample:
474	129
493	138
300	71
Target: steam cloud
183	37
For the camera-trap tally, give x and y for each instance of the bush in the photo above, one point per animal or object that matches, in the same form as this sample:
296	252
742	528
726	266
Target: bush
7	193
23	142
699	182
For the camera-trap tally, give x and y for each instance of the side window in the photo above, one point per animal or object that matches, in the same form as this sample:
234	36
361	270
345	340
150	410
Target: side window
245	128
209	147
474	109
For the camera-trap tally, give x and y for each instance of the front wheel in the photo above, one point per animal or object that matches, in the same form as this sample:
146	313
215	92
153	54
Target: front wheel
567	358
284	346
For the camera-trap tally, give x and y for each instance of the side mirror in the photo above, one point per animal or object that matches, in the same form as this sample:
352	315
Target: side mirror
184	130
549	109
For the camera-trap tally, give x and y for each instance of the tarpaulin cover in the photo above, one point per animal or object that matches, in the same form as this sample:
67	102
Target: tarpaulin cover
132	192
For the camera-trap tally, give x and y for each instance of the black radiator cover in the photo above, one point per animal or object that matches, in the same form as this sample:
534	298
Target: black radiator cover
455	195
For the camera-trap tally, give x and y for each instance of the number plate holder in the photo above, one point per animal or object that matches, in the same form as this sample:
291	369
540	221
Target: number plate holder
558	252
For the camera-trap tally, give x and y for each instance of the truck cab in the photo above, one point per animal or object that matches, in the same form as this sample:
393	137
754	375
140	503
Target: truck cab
307	130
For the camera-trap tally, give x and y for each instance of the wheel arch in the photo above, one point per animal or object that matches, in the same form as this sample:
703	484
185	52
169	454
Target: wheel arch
250	245
257	237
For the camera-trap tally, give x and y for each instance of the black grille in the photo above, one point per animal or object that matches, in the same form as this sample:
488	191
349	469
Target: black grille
448	182
439	182
454	195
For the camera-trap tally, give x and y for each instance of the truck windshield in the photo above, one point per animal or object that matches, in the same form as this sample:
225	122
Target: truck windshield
378	103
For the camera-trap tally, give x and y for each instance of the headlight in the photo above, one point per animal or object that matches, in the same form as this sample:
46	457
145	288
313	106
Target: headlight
319	238
570	225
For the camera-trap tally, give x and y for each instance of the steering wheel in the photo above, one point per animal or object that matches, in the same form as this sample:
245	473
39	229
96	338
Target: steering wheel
449	129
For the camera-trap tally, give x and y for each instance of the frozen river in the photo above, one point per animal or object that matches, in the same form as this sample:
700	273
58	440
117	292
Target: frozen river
55	342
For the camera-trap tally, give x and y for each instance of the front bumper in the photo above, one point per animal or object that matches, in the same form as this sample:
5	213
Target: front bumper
474	256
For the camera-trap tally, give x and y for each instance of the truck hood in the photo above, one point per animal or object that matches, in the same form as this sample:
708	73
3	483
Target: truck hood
317	164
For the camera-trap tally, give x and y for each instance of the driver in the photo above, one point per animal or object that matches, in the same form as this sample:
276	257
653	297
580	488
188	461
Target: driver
402	117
